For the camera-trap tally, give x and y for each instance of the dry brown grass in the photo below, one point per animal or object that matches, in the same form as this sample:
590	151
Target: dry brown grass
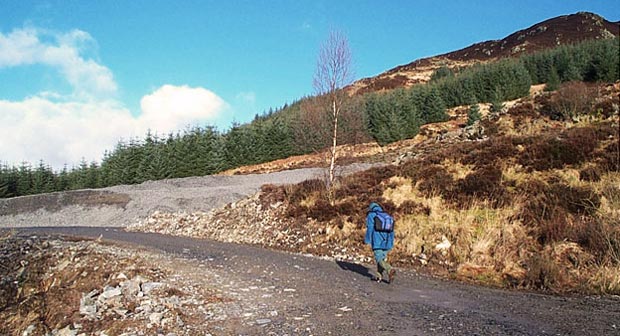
537	205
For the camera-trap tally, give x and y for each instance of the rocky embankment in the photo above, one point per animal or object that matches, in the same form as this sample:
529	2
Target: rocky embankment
60	287
120	206
254	222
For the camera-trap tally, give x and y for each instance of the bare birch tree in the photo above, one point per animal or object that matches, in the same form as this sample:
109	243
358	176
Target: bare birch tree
333	73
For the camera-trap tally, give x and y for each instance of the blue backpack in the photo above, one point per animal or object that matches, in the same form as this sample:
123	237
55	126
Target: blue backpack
383	222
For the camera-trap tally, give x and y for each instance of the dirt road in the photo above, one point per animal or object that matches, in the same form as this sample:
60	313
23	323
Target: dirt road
312	296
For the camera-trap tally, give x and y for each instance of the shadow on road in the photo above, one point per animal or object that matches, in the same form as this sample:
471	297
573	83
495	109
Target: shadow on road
357	268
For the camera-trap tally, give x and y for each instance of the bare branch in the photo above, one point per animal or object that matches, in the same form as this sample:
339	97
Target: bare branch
333	73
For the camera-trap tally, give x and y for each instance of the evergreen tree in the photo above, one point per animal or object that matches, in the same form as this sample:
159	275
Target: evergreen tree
62	181
92	176
554	81
24	181
473	114
209	161
238	146
604	61
496	102
383	124
433	108
441	73
8	181
42	179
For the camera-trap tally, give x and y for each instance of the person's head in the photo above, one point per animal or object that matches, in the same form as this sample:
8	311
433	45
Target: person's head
374	206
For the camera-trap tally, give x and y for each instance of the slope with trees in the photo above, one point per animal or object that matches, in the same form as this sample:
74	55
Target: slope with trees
383	117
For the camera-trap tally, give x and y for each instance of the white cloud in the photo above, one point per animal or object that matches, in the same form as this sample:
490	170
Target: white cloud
64	128
62	51
174	107
65	132
61	132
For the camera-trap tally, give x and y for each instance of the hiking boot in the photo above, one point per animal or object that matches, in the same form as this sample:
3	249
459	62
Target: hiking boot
391	275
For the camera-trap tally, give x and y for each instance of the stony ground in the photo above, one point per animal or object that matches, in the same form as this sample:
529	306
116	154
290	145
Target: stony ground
122	205
151	284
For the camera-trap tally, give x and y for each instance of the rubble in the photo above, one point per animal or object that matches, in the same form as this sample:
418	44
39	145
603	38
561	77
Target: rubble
62	288
260	225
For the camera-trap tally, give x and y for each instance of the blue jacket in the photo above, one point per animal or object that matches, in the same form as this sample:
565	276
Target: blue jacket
378	240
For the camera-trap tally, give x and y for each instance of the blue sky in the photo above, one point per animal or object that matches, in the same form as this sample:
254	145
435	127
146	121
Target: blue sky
76	76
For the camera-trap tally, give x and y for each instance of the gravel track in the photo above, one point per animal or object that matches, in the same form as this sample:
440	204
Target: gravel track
313	296
316	296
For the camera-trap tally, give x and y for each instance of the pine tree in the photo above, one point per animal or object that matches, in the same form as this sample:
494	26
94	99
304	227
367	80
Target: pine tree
62	182
442	73
381	120
473	114
434	108
24	181
496	102
554	80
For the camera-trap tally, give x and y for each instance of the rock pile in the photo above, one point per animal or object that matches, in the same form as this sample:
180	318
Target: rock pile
249	221
57	287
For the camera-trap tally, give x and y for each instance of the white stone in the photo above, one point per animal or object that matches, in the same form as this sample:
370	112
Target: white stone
147	287
155	318
67	331
29	330
110	292
444	246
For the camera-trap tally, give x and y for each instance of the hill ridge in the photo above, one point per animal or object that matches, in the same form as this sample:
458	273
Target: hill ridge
560	30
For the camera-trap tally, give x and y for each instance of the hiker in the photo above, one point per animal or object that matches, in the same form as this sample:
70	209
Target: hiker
380	236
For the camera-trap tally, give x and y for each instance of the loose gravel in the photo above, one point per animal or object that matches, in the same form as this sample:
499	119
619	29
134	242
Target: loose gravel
121	206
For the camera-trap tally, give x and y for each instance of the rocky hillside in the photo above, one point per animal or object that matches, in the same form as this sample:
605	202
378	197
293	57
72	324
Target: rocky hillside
528	198
562	30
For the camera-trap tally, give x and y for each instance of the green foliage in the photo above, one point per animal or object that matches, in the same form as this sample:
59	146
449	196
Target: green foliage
497	104
473	114
553	83
385	117
441	73
394	116
590	61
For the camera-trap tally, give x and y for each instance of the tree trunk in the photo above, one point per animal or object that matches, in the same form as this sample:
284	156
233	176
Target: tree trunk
332	165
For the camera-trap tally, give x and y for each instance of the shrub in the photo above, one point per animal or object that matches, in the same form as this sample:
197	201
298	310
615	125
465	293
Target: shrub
491	128
570	101
610	157
525	109
522	113
606	108
483	184
412	208
551	151
601	236
305	188
577	200
366	184
590	174
542	272
490	152
555	211
434	179
323	211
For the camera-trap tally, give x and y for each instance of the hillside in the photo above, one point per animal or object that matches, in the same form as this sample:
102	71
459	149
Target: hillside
388	117
526	198
562	30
